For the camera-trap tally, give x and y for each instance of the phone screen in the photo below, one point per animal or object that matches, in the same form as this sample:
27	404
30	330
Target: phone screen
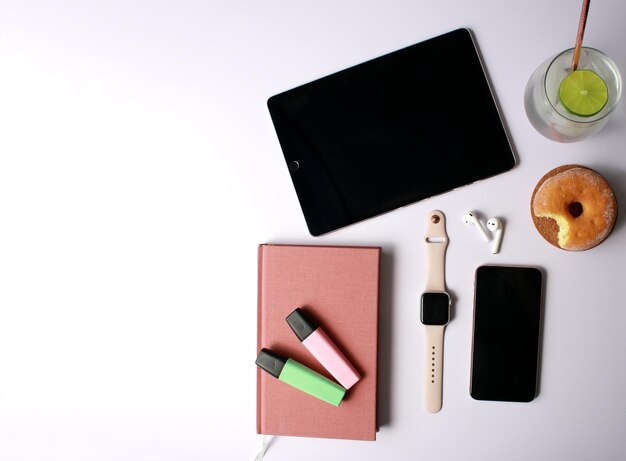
505	349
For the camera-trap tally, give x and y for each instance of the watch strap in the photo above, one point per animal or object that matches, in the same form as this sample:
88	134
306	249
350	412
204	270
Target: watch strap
433	368
435	243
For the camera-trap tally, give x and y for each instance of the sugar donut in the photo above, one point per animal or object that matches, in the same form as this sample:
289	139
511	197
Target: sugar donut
573	207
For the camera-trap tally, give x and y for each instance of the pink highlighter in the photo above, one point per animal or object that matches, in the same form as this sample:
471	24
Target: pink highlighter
323	348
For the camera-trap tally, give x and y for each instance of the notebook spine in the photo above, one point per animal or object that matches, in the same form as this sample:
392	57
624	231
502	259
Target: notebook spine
259	381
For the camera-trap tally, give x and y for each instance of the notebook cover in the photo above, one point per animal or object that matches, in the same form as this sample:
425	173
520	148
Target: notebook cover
339	287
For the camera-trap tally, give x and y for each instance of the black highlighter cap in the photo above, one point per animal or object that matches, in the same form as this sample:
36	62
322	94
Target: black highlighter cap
301	324
271	362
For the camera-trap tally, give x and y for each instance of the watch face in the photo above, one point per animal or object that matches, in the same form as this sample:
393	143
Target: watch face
435	308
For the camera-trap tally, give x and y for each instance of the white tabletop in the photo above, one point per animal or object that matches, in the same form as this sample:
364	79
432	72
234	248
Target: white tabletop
139	169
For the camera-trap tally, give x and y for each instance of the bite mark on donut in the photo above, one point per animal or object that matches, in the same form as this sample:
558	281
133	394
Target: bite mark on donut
564	227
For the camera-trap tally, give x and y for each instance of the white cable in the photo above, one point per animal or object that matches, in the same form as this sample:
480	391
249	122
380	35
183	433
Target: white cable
265	442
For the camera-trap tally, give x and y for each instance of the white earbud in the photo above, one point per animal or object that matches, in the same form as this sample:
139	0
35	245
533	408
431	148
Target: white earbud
470	218
495	225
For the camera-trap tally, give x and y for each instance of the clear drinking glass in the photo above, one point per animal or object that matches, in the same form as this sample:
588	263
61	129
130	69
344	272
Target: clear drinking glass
541	99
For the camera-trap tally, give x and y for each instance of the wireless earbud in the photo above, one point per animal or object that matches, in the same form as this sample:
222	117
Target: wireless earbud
495	225
470	218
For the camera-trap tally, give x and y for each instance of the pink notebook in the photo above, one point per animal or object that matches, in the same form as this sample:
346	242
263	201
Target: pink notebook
339	287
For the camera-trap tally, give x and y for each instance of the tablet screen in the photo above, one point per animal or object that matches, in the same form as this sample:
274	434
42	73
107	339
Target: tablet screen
391	131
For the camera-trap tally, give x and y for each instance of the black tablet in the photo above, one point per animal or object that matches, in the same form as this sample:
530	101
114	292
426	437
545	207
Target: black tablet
391	131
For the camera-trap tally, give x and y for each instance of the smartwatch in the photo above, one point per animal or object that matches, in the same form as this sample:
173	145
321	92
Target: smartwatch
435	309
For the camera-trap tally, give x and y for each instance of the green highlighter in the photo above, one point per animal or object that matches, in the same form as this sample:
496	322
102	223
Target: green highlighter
303	378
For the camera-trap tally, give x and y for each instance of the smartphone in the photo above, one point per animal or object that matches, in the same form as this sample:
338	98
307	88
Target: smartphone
505	342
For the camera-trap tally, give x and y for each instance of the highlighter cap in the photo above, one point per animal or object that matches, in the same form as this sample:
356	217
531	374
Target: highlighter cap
271	362
301	324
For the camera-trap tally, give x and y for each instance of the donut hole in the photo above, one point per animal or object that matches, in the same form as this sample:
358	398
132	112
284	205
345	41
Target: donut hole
575	209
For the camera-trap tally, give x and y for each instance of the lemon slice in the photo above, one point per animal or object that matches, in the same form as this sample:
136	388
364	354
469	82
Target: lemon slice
583	93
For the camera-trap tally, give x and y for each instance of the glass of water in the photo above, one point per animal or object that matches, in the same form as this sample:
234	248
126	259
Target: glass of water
544	108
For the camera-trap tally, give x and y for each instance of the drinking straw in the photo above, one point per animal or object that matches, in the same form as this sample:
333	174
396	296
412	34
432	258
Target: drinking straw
581	32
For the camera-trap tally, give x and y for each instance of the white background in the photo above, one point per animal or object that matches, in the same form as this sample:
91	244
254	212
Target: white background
139	170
